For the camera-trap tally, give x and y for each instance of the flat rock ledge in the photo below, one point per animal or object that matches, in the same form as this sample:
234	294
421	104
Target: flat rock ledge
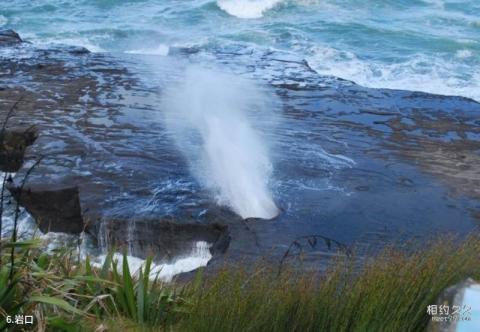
163	240
59	210
54	210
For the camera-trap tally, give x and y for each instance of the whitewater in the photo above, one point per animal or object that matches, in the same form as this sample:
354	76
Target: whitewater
210	115
425	45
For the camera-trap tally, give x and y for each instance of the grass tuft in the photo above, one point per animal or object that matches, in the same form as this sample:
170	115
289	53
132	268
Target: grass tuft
389	292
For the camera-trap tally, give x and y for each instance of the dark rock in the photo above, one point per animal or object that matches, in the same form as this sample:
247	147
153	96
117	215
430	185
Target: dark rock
54	210
99	133
185	51
77	50
162	239
13	143
9	38
362	188
73	50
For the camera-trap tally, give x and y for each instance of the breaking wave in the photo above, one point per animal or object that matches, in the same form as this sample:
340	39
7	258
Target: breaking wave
247	8
421	73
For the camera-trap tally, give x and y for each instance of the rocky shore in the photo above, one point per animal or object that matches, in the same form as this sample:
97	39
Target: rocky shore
106	159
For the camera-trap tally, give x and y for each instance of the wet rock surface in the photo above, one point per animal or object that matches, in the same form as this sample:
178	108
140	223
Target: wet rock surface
54	209
361	166
164	240
9	37
13	143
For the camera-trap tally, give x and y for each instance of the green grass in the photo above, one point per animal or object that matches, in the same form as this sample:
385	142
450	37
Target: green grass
389	292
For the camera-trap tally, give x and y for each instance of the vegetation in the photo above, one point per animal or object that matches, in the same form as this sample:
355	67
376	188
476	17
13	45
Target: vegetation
388	293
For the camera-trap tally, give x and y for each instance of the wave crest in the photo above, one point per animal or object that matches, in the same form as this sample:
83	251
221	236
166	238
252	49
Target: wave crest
444	76
247	8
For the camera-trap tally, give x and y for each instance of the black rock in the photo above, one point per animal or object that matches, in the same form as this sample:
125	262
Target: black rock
13	143
9	38
162	239
54	210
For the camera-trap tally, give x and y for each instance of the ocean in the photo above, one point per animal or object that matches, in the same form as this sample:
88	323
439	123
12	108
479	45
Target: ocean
425	45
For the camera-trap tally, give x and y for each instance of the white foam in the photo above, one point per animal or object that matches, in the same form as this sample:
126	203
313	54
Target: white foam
420	73
463	54
26	226
3	20
61	40
439	4
161	49
247	8
336	160
199	256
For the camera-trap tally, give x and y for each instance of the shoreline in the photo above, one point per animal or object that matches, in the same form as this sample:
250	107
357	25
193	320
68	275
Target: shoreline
83	137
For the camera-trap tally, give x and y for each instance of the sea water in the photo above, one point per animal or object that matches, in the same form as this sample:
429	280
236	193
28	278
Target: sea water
426	45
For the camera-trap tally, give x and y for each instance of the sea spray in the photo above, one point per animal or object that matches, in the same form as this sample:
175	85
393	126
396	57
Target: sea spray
211	116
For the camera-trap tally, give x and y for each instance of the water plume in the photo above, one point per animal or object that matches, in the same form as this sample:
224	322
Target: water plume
211	115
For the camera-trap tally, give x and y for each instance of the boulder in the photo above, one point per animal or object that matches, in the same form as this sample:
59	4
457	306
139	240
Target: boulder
54	210
9	38
13	143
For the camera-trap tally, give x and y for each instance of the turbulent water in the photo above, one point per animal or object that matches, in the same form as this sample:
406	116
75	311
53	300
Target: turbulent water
427	45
